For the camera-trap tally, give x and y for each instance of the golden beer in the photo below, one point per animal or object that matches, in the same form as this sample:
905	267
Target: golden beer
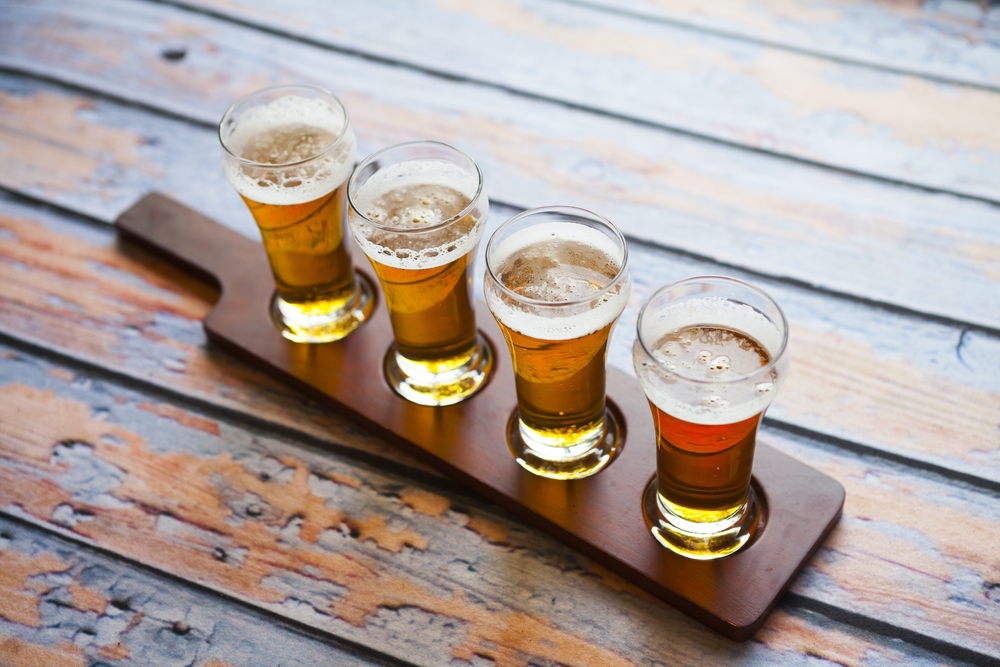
418	212
288	151
560	385
557	282
710	356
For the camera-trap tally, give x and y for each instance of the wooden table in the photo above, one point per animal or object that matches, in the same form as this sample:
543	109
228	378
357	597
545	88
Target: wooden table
161	503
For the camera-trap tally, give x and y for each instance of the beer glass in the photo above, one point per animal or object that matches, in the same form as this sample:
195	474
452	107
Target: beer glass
556	281
418	210
710	355
288	151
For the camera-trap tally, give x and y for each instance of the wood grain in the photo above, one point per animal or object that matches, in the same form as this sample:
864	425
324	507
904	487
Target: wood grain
158	621
466	442
19	653
139	328
893	382
838	231
951	40
139	317
333	544
143	619
748	93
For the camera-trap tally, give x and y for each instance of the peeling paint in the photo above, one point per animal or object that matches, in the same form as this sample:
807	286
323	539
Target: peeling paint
45	143
87	599
425	502
491	530
21	605
19	653
182	416
787	633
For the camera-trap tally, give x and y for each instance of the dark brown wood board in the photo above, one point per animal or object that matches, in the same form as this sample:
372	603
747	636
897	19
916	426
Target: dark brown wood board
600	516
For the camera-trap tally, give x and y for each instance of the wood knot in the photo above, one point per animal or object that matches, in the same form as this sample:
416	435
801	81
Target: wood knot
174	53
219	553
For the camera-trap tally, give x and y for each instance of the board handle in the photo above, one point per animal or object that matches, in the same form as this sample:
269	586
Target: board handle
200	245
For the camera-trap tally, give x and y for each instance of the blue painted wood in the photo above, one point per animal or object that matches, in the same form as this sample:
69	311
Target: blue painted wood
328	539
96	609
824	228
953	40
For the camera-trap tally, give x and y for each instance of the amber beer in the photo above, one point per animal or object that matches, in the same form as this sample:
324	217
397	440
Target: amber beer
560	385
710	356
289	151
557	281
418	210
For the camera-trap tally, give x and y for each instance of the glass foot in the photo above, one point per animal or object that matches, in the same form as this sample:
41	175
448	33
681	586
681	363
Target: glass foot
702	541
572	462
424	387
327	327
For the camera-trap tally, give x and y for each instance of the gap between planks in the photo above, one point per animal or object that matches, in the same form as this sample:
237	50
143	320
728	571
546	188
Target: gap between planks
825	219
884	306
243	420
876	626
792	600
43	351
743	37
250	421
457	78
274	617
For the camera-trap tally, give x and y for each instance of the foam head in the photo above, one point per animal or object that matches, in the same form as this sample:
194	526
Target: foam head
710	359
565	277
291	150
418	213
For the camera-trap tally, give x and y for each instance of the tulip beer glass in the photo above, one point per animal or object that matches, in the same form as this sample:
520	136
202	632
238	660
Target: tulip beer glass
556	281
289	151
419	210
710	355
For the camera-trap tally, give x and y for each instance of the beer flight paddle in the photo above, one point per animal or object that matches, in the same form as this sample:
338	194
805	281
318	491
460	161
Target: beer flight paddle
600	516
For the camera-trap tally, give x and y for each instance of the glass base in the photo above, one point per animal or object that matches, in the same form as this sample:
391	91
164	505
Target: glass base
413	382
701	541
326	327
573	462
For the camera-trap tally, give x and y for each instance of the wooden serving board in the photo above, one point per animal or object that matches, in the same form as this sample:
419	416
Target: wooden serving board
600	516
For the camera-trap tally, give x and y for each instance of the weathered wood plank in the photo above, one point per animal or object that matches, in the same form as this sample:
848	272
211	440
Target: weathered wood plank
769	98
859	373
156	621
907	387
411	570
77	292
954	40
844	233
66	606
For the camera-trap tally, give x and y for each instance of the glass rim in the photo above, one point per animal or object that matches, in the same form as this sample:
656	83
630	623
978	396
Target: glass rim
473	203
284	165
770	365
571	210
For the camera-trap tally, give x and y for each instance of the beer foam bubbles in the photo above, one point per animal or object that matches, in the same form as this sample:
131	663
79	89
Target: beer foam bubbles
564	265
289	130
400	201
708	391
